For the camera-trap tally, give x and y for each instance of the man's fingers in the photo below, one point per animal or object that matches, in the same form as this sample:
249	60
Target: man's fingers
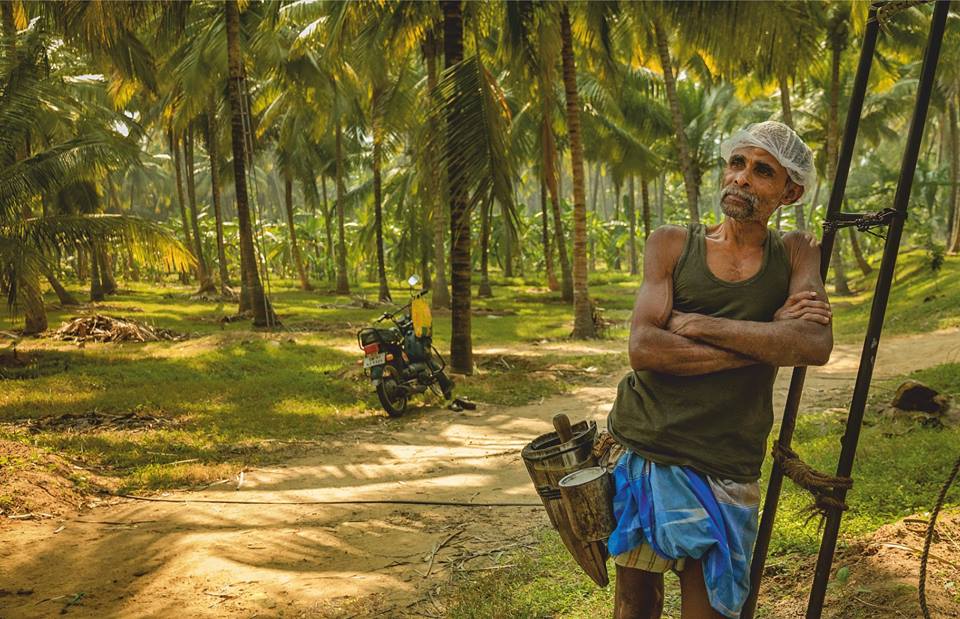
796	297
817	315
818	318
796	312
811	304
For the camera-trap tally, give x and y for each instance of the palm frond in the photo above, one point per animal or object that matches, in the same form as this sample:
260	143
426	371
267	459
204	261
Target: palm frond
150	242
474	149
49	170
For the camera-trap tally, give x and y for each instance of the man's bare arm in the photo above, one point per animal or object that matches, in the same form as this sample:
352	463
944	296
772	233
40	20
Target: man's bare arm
652	346
786	342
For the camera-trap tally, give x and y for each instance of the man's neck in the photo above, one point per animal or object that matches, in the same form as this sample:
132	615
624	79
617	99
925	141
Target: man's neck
740	233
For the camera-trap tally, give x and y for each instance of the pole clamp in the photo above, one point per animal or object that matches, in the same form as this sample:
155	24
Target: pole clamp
864	221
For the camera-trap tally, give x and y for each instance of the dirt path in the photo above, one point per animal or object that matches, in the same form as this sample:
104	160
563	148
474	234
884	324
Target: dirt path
193	559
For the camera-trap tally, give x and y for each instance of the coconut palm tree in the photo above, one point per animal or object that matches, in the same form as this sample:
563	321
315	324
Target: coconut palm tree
475	157
78	148
255	297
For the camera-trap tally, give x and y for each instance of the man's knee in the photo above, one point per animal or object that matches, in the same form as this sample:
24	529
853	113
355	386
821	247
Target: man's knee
639	594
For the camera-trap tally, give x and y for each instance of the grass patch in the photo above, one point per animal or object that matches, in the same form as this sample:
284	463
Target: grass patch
234	396
899	470
920	299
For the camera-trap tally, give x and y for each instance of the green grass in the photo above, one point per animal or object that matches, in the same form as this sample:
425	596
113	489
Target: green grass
920	300
238	396
235	396
899	469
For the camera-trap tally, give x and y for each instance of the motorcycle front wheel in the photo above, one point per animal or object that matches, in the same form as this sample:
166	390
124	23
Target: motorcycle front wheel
391	395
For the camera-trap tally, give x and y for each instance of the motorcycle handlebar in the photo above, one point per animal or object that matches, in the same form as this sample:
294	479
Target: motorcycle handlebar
390	315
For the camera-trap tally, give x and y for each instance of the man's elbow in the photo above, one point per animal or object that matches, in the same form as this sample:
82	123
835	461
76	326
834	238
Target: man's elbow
640	358
820	350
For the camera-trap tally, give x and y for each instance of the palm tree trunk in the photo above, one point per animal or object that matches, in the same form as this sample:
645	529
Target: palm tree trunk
378	212
206	283
178	179
865	267
484	291
328	229
426	250
833	145
596	186
80	268
294	248
645	202
263	315
785	108
953	246
552	282
461	342
507	245
63	295
107	280
343	286
661	199
210	139
632	219
550	172
787	113
440	289
690	182
31	303
583	325
134	270
312	196
813	202
96	284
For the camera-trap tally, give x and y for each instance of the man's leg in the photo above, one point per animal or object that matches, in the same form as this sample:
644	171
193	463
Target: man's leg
694	603
639	594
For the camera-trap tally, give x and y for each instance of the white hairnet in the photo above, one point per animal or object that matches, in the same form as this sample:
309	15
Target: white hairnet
780	141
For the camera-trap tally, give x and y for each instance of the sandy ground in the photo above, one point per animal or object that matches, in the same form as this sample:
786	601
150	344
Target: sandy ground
138	558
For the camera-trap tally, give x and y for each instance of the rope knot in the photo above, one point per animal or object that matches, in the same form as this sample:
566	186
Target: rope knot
822	486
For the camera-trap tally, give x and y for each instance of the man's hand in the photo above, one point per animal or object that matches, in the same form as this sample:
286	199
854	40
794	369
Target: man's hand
804	305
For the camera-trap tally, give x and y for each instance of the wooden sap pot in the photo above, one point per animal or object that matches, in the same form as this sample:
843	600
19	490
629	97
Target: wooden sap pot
549	459
587	495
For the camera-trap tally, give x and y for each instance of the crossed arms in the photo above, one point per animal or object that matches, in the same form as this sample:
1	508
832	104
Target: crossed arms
687	344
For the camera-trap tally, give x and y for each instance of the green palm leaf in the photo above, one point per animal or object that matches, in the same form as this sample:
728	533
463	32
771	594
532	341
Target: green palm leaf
149	242
476	149
49	170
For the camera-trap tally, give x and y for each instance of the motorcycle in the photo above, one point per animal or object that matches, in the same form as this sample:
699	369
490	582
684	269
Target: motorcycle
401	360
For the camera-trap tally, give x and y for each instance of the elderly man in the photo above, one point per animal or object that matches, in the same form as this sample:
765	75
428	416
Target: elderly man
720	309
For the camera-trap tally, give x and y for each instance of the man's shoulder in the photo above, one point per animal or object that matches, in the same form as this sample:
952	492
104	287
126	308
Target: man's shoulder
667	235
800	239
801	246
665	244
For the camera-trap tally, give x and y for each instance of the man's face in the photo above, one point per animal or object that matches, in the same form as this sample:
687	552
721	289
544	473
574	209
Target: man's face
755	185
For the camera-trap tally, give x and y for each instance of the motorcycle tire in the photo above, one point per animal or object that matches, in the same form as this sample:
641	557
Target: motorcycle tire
387	393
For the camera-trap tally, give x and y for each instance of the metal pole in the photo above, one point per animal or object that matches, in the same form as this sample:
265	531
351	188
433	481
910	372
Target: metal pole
789	422
869	354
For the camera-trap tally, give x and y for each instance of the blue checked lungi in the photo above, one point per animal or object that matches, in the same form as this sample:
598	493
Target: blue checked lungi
681	513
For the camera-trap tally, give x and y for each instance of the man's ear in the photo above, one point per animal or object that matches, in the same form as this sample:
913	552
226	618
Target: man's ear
792	192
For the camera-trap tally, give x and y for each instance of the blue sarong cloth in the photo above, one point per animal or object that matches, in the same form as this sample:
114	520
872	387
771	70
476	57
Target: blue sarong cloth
681	513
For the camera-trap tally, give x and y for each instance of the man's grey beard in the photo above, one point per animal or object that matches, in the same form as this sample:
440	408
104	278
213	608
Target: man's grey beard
735	211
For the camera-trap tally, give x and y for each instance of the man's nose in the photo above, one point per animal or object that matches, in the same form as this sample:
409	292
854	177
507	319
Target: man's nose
741	178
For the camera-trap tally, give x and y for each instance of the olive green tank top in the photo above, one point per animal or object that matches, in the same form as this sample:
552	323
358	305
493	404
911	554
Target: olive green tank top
717	423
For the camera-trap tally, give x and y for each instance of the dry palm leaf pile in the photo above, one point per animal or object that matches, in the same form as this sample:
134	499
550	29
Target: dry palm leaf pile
94	421
100	328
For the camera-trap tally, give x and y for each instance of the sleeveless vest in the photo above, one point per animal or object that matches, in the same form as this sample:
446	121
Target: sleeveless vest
717	423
